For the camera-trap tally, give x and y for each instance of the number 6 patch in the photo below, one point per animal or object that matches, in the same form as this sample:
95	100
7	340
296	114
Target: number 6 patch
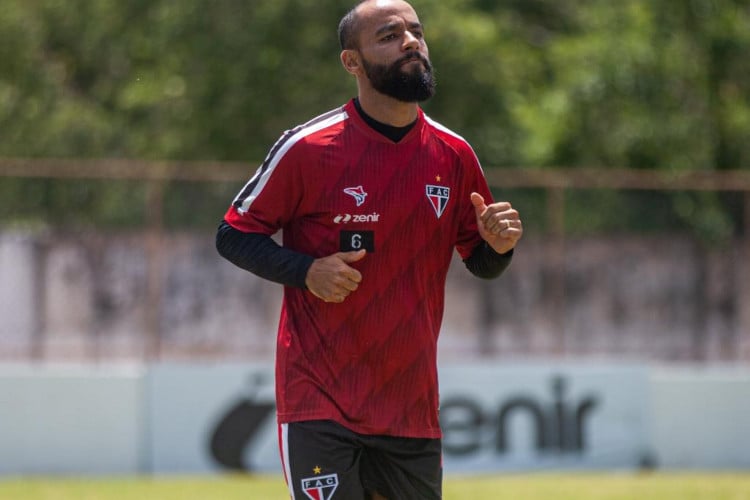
357	240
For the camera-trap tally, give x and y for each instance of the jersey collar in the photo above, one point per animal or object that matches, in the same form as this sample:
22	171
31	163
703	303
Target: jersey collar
359	121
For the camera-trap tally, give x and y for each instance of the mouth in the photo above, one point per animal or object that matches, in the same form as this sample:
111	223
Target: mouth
412	58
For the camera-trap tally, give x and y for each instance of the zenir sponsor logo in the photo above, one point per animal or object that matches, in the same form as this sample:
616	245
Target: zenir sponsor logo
347	218
320	487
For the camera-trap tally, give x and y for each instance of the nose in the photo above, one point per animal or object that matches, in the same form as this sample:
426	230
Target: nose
411	42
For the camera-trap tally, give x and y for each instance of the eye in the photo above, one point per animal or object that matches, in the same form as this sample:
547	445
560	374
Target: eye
388	37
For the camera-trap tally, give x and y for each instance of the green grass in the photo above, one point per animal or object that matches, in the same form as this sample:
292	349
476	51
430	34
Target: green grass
659	486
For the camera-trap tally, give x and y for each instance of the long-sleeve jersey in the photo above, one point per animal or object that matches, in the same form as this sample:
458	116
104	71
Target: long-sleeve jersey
335	184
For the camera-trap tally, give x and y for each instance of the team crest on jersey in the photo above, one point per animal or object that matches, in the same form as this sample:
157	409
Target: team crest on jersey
438	196
358	193
320	487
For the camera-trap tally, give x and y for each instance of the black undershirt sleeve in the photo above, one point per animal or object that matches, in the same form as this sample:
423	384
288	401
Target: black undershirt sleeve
262	256
486	263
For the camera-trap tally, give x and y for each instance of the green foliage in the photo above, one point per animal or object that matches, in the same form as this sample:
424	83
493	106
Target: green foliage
656	84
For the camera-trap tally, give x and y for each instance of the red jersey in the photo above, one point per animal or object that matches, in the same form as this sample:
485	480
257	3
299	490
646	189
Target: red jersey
335	184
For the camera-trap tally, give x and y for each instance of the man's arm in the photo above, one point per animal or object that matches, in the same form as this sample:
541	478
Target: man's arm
262	256
330	278
486	263
500	227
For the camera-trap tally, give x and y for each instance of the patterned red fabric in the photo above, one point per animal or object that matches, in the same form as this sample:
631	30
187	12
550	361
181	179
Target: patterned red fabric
368	363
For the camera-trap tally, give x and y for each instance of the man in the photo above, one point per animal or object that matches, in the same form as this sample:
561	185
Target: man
372	199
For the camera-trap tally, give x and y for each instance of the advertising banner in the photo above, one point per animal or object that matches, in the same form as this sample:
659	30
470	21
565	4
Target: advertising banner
71	420
207	418
494	416
536	417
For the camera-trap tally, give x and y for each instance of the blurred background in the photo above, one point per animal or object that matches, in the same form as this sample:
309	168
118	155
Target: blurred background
619	129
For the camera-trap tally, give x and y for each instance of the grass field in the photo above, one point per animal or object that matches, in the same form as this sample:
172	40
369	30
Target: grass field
501	487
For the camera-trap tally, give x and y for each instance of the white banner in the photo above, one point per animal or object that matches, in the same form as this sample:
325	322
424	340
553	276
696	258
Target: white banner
207	418
536	417
190	418
495	417
71	420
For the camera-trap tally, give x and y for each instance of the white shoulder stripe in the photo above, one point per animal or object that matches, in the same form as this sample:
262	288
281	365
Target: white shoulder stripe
255	185
443	128
448	131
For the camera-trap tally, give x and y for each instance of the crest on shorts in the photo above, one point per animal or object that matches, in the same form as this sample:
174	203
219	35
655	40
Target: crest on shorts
320	487
438	196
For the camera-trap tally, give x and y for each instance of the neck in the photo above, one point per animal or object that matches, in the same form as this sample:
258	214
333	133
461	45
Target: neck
388	110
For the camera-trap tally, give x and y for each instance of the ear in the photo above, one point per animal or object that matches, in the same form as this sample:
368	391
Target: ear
350	61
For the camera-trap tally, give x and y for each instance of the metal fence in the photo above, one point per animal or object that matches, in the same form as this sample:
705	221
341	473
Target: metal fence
554	184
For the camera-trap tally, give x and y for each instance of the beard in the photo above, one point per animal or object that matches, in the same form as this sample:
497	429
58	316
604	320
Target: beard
407	85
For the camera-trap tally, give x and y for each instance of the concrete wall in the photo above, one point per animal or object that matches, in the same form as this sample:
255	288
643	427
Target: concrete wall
92	296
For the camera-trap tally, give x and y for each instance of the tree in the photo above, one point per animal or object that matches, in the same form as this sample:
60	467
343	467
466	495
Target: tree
555	83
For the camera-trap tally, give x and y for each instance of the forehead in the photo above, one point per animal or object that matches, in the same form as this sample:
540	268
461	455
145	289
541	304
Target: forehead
379	15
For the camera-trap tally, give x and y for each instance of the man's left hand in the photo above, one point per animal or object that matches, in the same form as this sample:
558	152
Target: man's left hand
498	223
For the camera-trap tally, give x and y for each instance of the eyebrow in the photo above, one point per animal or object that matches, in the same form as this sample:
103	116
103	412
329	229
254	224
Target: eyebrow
394	25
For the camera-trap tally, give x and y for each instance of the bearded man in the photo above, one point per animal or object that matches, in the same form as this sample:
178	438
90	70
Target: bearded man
372	199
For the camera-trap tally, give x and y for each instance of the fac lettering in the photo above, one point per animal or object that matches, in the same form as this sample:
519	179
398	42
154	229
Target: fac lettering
438	191
318	483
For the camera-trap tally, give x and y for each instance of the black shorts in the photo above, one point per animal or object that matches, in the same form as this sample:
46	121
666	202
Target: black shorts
325	461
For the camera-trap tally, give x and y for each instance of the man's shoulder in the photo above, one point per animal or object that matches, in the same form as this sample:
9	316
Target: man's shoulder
321	122
313	133
452	139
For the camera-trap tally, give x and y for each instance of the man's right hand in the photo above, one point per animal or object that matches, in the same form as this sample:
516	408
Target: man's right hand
332	279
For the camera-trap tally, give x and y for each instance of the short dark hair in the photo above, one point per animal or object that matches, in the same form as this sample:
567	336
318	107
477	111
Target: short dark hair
348	28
